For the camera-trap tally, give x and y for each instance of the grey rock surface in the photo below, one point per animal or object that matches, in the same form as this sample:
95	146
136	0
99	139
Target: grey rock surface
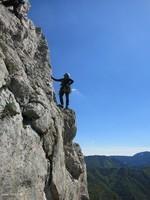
38	159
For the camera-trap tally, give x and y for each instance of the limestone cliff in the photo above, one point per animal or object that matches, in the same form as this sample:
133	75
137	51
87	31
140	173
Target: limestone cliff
38	159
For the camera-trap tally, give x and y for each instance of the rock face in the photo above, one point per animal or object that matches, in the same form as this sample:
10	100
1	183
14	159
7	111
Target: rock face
38	160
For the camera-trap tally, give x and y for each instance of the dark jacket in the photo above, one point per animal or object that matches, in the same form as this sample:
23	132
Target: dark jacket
65	84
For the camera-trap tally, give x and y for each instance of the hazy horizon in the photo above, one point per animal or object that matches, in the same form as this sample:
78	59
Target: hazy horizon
124	153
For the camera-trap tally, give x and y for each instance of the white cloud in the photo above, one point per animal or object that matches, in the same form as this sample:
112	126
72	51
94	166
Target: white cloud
77	92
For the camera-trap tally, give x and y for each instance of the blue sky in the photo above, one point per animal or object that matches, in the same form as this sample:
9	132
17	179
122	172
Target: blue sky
105	45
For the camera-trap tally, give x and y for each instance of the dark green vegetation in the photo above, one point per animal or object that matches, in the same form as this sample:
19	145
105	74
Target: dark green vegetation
119	177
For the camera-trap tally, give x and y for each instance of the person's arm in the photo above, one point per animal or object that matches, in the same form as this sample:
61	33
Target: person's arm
59	80
71	81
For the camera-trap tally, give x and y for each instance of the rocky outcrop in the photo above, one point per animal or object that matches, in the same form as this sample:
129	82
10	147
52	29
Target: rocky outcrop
38	160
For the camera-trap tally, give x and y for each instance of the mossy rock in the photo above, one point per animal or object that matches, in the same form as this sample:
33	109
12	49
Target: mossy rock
10	110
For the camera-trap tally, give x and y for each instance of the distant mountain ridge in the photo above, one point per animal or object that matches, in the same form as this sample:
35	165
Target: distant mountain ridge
119	177
138	160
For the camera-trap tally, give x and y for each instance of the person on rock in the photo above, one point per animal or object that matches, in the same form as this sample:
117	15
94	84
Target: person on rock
20	8
65	88
15	4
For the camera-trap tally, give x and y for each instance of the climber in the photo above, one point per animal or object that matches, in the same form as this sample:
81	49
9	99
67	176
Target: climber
23	10
20	7
15	4
65	88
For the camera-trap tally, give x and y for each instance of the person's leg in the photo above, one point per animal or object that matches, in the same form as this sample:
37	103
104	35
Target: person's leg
67	100
61	94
